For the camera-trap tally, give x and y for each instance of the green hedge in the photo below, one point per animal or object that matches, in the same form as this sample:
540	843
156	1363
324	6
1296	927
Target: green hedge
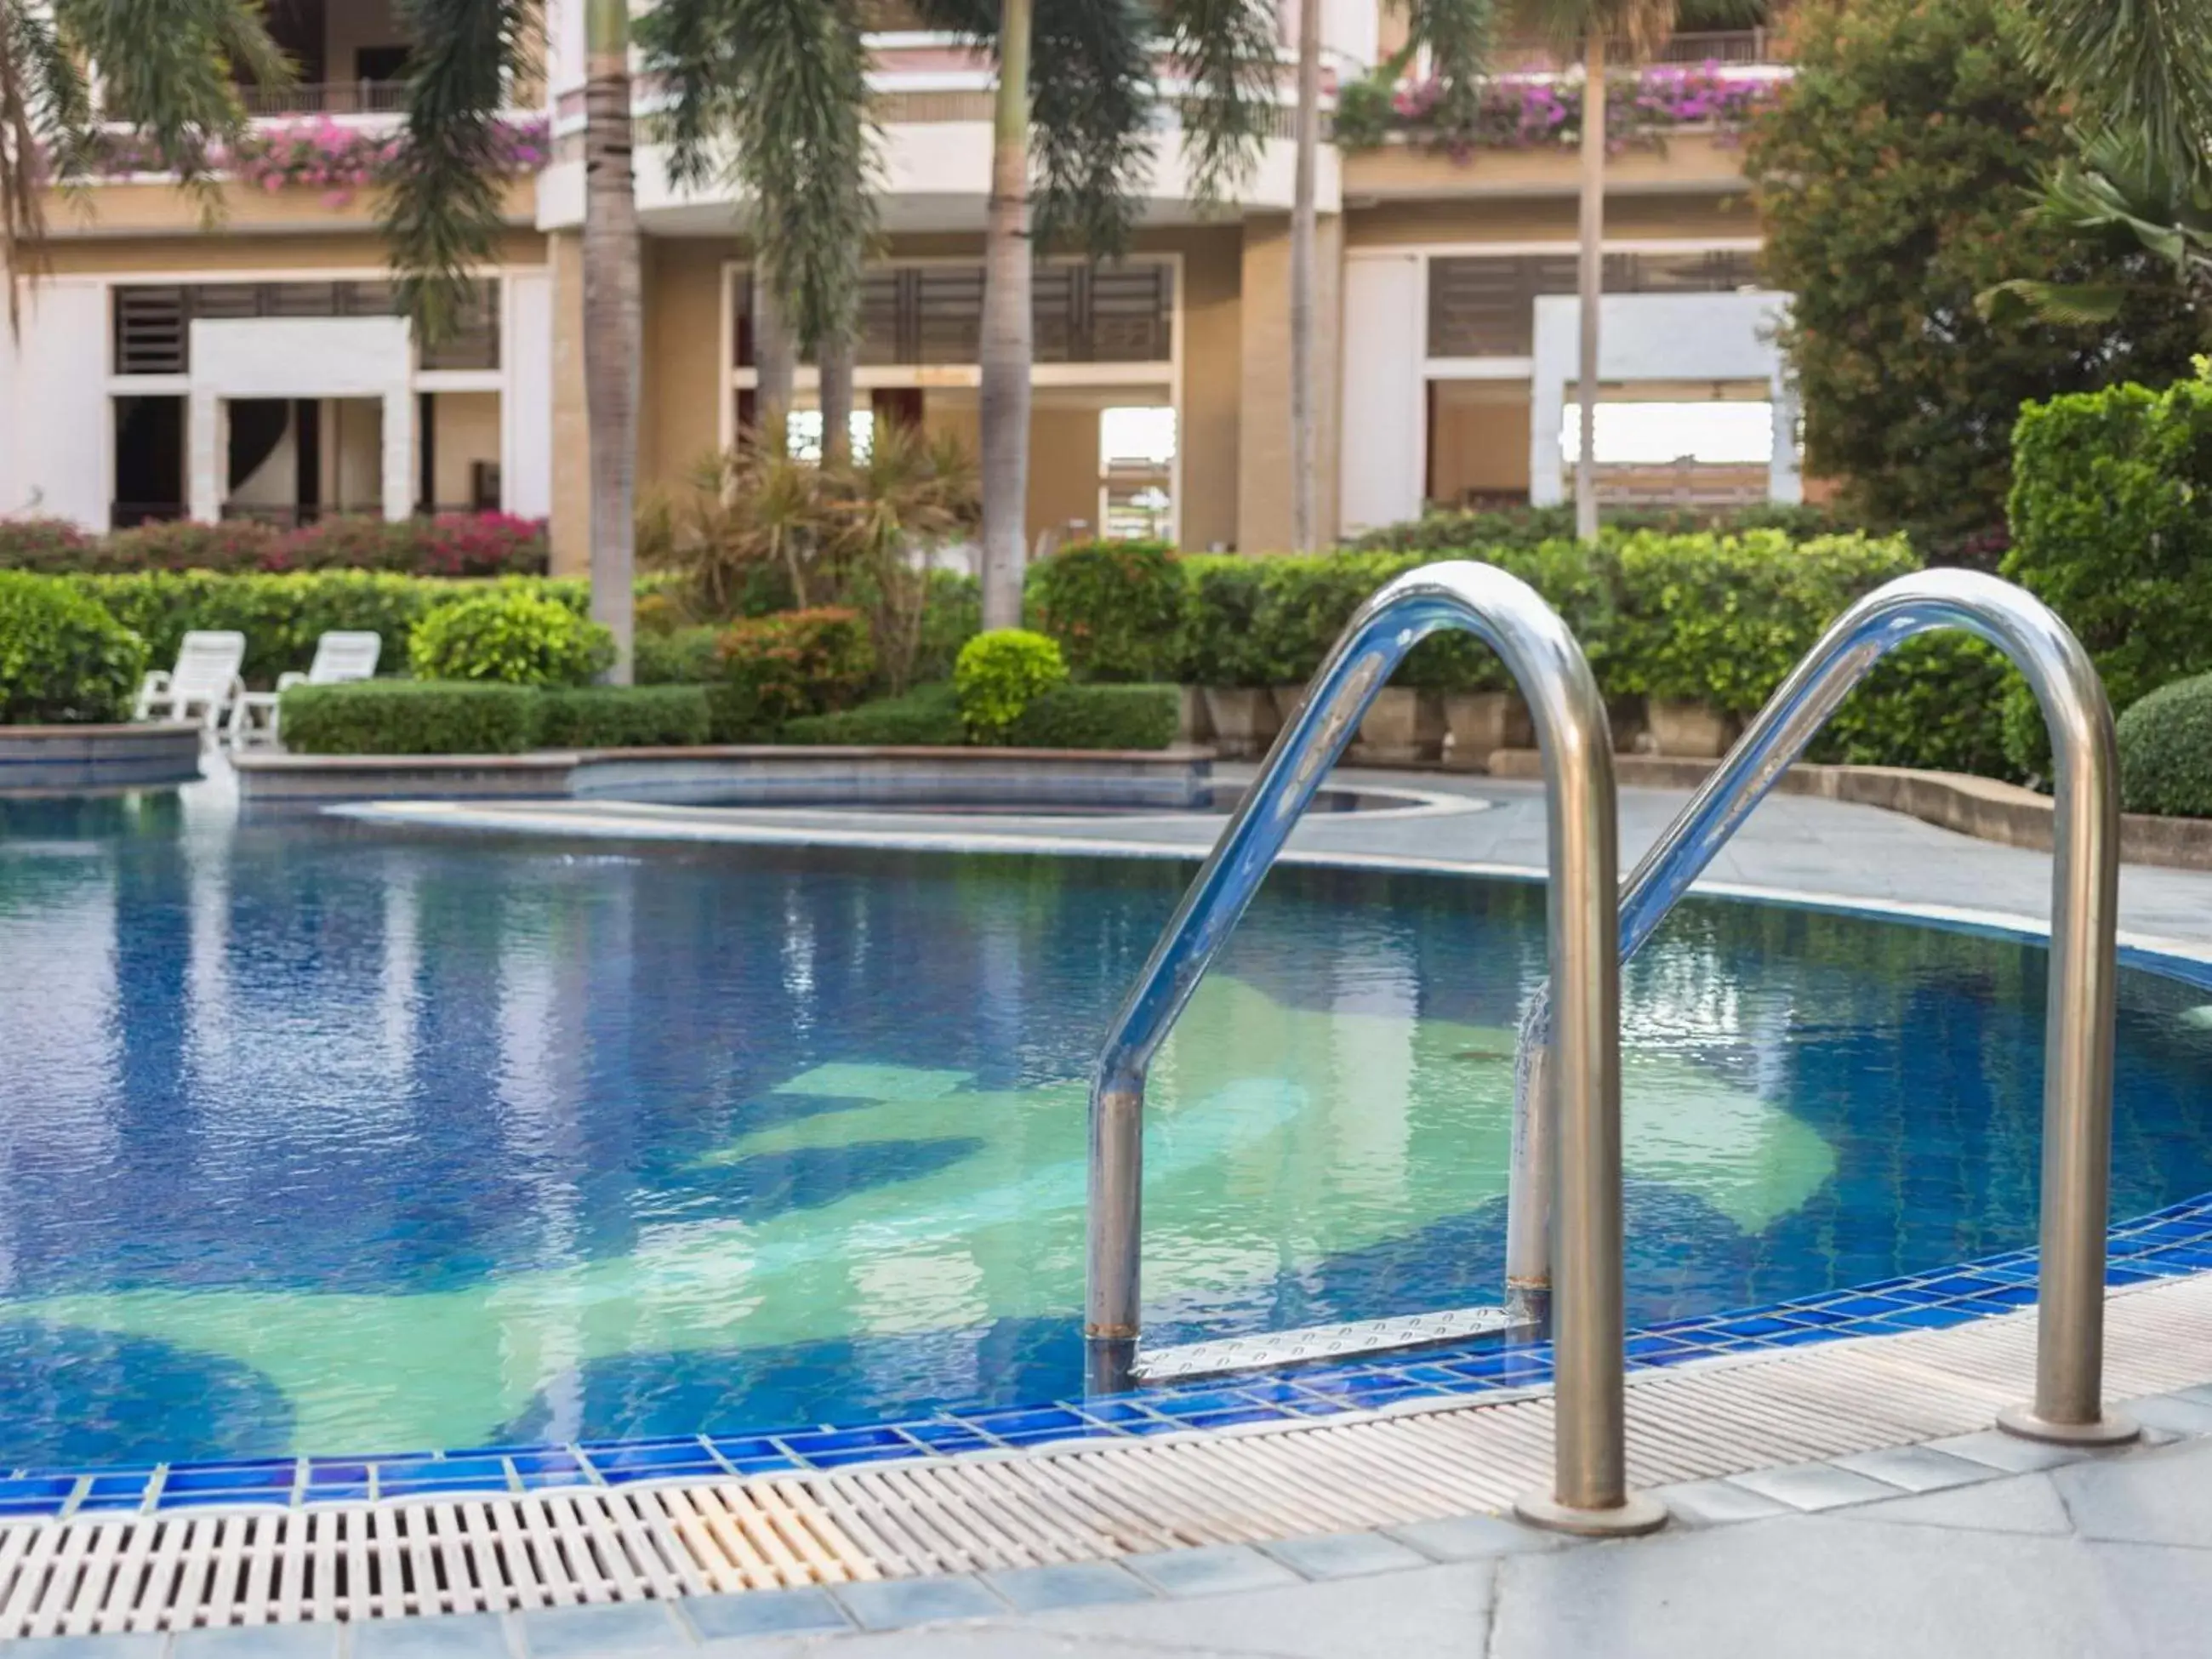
1114	607
409	717
1099	717
63	658
2166	751
623	717
2110	528
1065	717
927	717
999	674
450	544
509	637
283	616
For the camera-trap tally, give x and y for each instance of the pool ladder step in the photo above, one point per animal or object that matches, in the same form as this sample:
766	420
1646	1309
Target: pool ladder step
1312	1342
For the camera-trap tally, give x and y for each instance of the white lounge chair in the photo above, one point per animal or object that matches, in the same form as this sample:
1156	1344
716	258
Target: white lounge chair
339	656
202	686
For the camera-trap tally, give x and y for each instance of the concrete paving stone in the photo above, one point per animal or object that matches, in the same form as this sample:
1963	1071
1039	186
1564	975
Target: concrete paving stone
1916	1468
803	1611
893	1603
2160	1498
1820	1588
607	1627
1812	1486
2176	1415
1068	1585
146	1646
304	1641
1473	1537
2007	1452
1215	1570
1434	1612
2021	1504
441	1636
1717	1503
1344	1554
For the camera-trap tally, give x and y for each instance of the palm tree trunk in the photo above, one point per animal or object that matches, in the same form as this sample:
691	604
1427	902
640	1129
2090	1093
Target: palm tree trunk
835	357
1306	449
1591	278
613	322
775	359
1006	345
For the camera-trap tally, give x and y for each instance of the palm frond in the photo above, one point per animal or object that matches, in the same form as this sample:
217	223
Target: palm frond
1458	35
442	209
1227	51
2119	183
1090	99
2071	305
2139	66
1640	28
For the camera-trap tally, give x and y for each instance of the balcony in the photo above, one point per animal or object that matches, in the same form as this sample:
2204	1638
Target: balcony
326	98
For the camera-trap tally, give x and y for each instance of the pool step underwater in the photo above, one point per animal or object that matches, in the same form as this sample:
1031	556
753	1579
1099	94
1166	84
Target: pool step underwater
1272	1348
1414	1461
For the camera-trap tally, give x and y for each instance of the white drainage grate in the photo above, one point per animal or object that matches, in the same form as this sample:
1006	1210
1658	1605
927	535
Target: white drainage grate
1089	1501
1271	1348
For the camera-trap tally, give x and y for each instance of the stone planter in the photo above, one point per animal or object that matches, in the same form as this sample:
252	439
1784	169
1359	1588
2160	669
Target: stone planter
1478	724
80	760
1693	729
1289	699
1191	723
1242	718
1401	727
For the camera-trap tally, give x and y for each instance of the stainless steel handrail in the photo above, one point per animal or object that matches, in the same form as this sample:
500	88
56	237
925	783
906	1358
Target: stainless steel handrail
2077	1089
1591	1489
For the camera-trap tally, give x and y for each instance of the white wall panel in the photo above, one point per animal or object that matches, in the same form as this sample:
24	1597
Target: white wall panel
1384	340
526	405
53	402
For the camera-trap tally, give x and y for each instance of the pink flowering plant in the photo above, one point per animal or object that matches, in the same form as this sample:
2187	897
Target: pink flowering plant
1531	111
320	153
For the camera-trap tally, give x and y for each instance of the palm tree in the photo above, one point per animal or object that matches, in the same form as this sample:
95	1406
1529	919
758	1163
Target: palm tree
165	69
442	217
1075	107
1456	35
772	97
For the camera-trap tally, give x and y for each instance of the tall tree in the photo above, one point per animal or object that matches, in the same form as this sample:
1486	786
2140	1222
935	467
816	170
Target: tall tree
770	97
1075	113
165	69
443	216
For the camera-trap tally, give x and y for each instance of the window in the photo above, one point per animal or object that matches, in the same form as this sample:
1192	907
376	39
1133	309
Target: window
1485	305
152	324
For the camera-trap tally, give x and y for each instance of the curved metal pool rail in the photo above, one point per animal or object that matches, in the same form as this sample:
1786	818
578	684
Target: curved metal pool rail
1590	1488
2077	1088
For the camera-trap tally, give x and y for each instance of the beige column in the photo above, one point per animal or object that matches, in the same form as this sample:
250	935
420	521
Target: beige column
1263	471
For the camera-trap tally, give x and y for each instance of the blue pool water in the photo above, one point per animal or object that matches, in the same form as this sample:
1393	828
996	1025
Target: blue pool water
319	1139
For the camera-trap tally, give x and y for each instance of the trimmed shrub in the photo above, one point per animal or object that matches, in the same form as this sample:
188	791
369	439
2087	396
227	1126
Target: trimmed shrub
1218	642
49	544
409	717
778	667
1099	717
63	658
685	656
2110	530
2166	751
999	674
1112	606
509	637
623	717
927	717
951	616
1932	702
235	544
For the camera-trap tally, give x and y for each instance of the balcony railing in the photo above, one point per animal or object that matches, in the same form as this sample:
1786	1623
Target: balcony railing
1756	46
326	98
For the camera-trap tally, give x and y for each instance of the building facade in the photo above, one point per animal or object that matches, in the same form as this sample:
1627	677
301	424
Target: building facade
171	366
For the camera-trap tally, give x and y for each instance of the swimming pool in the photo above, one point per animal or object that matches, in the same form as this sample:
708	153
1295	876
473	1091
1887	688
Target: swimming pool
326	1139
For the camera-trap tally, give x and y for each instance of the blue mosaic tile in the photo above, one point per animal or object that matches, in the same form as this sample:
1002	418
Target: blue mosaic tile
337	1474
546	1462
184	1478
31	1505
682	1454
1003	1422
892	1453
37	1487
1240	1414
814	1446
749	1466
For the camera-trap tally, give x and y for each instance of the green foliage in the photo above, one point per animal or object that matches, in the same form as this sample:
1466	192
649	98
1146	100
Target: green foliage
1217	642
63	657
409	717
682	656
1891	181
623	717
2166	751
2110	529
927	717
951	616
509	637
796	662
1932	702
1112	606
1452	530
1099	717
999	674
1722	620
450	544
47	544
